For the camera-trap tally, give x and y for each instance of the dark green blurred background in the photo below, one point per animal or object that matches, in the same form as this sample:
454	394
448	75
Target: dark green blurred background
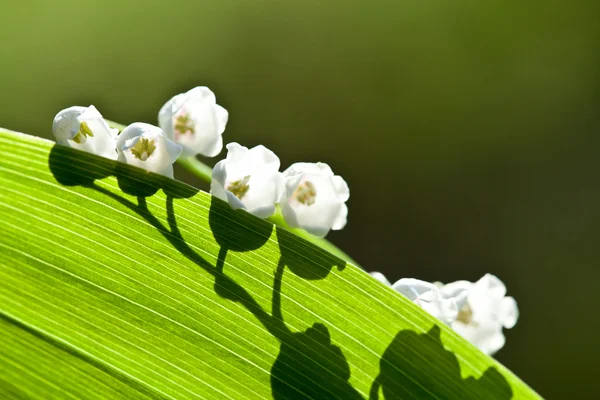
468	132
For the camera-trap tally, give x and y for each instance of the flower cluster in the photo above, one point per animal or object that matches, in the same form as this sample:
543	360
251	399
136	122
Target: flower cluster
309	195
478	311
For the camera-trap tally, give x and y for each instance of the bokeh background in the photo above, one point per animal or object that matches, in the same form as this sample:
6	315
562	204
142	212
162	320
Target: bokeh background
468	131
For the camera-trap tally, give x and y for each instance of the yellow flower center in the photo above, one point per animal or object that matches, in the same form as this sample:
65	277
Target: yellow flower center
240	187
184	124
143	148
83	133
465	315
305	193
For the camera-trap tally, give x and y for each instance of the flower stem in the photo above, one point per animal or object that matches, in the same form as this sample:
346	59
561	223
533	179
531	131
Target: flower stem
204	173
197	168
278	220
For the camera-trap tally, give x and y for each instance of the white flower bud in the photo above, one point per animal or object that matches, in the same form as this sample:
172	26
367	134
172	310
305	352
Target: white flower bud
314	198
195	121
83	128
248	179
144	146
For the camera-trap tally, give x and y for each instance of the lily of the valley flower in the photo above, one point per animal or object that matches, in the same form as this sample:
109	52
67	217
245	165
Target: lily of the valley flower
428	296
195	121
83	128
144	146
248	179
314	198
484	310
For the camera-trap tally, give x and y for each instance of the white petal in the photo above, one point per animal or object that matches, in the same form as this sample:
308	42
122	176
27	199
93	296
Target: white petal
160	161
264	191
219	173
264	211
317	231
289	215
261	155
67	124
207	121
218	180
320	217
259	167
380	277
167	171
131	131
443	309
320	169
214	147
458	291
492	285
90	113
341	219
326	209
509	313
173	149
201	92
235	152
222	116
165	119
413	288
487	336
483	306
341	188
234	202
106	147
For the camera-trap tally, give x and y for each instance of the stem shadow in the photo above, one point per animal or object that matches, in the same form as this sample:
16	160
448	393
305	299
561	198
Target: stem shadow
309	365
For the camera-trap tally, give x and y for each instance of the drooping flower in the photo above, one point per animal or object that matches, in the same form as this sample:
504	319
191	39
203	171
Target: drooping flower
427	295
144	146
248	179
195	121
83	128
484	309
314	198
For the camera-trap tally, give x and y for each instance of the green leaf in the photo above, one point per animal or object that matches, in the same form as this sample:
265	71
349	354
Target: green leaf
204	173
118	283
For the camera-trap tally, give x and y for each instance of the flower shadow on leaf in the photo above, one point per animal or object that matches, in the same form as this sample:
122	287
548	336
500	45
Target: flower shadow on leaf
308	366
234	230
72	167
315	367
136	182
293	255
413	363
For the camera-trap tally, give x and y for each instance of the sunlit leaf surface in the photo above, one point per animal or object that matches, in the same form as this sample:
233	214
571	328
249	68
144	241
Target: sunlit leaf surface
117	283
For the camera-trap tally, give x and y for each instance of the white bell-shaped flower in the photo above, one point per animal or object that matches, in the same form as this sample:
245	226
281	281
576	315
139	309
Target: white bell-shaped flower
484	309
83	128
428	296
144	146
195	121
248	179
314	198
